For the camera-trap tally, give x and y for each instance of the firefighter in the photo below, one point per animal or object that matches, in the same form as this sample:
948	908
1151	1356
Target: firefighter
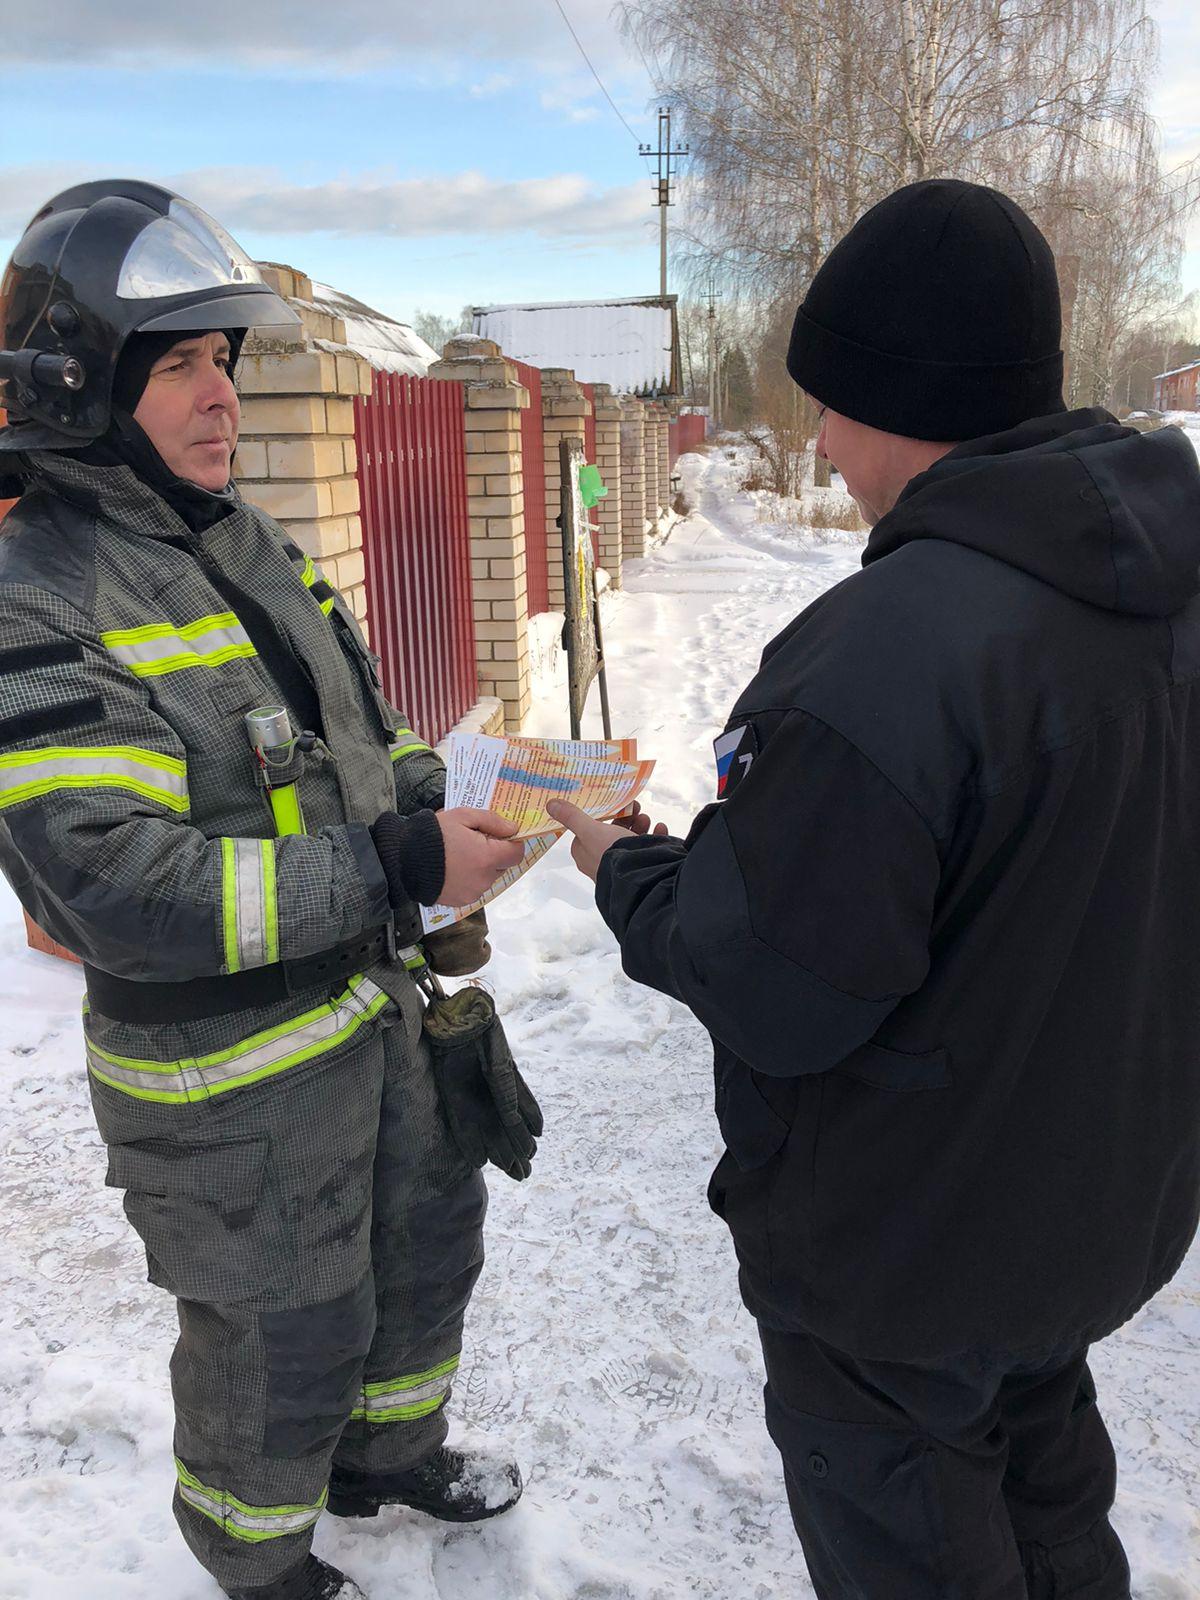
247	914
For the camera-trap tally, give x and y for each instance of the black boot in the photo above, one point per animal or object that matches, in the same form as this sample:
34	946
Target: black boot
312	1580
452	1485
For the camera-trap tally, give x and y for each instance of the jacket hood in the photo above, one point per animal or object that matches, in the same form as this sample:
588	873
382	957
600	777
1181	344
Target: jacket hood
1101	512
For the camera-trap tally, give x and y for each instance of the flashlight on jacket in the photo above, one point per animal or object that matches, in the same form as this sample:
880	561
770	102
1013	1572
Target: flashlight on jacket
269	729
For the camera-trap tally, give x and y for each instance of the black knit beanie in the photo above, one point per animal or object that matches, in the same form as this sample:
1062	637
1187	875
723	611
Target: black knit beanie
936	317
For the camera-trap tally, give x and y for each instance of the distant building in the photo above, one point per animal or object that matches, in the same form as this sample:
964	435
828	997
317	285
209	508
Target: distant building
389	346
632	345
1178	390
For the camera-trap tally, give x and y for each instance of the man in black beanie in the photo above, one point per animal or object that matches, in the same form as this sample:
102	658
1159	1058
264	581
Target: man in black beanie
943	926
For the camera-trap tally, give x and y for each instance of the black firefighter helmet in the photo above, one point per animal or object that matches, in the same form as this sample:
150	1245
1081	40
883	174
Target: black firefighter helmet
99	262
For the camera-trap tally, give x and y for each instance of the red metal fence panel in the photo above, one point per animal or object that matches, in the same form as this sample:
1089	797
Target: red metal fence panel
533	471
412	475
687	432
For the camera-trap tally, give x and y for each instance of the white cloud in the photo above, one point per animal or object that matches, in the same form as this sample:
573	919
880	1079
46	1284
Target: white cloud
354	35
495	83
570	95
24	189
1175	100
245	199
478	47
572	113
1176	103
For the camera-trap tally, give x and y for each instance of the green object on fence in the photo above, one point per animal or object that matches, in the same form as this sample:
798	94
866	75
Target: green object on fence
591	486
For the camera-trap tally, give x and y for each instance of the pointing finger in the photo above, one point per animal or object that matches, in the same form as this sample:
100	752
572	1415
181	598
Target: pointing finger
570	816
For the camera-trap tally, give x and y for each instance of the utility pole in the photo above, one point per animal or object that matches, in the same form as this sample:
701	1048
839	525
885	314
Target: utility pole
666	155
714	385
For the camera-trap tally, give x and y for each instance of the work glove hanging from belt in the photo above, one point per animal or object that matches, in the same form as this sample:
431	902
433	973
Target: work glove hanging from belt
491	1110
460	948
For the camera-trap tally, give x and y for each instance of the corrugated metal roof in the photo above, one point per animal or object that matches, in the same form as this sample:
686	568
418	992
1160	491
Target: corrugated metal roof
630	344
388	345
1175	371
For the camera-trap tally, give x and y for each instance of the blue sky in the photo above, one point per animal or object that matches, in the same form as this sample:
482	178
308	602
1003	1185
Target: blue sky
495	172
413	156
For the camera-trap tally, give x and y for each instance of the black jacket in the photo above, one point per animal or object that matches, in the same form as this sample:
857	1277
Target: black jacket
945	926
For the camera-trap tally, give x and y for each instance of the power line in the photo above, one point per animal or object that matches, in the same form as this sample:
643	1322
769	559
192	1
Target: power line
593	71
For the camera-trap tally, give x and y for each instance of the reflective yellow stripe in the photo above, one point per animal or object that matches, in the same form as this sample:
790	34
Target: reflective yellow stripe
308	576
251	1060
285	808
114	638
229	903
249	923
241	1521
162	647
26	774
270	905
406	1398
405	743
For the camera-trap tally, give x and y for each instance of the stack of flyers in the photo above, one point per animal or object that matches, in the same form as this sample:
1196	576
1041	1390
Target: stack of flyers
515	777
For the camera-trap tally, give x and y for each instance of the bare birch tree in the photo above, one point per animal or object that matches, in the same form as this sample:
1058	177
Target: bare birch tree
802	113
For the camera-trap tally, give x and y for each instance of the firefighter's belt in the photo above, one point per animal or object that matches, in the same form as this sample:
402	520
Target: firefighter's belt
126	1000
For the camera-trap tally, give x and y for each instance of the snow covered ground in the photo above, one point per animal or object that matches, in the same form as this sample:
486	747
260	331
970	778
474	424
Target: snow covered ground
606	1342
1189	421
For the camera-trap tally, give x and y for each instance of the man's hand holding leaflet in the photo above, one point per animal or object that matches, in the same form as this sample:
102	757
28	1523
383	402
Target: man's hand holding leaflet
516	779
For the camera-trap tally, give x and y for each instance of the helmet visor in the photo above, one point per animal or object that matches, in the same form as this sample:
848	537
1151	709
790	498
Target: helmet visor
183	253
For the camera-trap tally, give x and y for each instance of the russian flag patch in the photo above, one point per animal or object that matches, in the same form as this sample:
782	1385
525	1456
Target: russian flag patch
734	751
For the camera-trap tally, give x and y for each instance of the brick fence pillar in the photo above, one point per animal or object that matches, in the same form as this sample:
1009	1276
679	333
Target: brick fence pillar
633	478
608	459
664	460
296	456
564	408
495	399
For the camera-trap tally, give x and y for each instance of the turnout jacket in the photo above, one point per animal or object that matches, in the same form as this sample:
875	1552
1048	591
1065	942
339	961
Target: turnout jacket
944	928
133	826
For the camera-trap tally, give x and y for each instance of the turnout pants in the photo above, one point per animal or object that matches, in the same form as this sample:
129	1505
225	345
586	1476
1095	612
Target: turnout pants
322	1236
965	1483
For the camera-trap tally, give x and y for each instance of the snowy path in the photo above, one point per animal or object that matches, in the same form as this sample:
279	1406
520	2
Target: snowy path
607	1342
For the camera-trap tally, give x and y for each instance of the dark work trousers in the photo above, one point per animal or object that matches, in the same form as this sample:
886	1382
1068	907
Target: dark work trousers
322	1235
969	1482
